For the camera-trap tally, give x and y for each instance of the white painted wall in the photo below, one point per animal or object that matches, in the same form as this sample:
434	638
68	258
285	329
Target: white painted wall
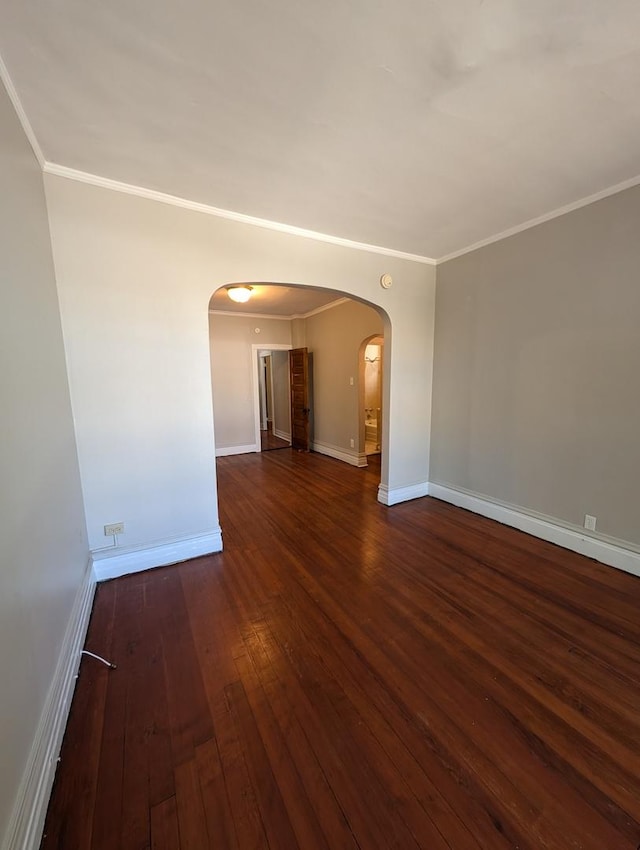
44	551
135	278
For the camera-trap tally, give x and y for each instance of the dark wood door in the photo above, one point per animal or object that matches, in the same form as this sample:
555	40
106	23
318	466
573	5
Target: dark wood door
299	377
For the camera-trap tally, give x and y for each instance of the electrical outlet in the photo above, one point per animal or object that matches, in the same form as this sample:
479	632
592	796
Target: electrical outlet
589	522
113	529
352	443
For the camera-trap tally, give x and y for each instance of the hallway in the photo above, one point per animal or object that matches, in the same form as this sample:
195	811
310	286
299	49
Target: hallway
347	675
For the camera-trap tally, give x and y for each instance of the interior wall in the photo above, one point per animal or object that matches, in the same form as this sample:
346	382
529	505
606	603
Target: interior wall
536	369
231	338
335	336
42	528
298	333
135	277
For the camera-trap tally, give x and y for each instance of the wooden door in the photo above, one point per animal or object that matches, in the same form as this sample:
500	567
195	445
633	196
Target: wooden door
299	377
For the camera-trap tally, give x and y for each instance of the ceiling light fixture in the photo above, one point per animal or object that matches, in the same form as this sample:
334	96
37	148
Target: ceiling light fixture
239	294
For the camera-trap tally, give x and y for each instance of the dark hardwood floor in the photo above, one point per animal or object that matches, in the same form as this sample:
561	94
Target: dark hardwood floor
269	442
349	676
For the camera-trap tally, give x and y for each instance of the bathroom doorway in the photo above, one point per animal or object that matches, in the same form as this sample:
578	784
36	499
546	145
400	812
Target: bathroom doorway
371	367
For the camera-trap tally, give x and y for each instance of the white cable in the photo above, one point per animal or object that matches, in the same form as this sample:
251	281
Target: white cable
99	658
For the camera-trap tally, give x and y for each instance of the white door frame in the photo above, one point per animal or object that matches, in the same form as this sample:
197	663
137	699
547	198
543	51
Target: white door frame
255	375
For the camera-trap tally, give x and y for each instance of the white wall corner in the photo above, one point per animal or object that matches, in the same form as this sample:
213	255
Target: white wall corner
353	458
112	563
26	823
395	495
225	451
614	554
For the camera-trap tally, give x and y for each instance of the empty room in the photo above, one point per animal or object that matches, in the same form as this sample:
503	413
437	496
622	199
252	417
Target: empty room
320	426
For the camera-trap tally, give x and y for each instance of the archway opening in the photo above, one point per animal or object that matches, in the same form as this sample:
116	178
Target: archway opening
371	369
331	325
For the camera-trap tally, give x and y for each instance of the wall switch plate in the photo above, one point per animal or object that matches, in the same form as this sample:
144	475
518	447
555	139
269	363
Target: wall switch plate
352	443
589	522
114	528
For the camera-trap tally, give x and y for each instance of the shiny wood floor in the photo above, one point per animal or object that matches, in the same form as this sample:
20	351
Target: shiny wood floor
348	676
269	442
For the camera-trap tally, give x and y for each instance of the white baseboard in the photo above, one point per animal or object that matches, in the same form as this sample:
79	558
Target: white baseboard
612	553
112	563
27	820
236	450
351	457
395	495
283	435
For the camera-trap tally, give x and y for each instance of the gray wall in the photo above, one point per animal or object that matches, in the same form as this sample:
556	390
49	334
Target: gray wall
232	366
537	353
334	337
44	544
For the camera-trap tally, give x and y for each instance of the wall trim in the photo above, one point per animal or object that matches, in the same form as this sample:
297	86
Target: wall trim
353	458
292	230
27	819
283	435
322	308
112	563
22	115
280	318
173	200
225	451
541	219
236	314
614	554
395	495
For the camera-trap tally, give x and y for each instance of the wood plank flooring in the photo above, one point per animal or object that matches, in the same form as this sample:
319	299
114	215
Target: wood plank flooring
269	442
347	676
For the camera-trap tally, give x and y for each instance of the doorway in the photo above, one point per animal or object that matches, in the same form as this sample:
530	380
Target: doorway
371	369
272	396
245	384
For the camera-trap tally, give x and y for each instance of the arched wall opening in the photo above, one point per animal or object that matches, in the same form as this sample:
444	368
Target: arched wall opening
370	395
135	277
332	332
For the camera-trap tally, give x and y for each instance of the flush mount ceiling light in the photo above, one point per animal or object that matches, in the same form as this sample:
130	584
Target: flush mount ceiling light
240	294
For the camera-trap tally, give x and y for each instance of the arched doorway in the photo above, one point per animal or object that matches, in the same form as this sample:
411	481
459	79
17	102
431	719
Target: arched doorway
371	367
332	329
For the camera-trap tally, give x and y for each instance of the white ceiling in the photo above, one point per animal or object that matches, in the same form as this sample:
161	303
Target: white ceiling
276	300
419	126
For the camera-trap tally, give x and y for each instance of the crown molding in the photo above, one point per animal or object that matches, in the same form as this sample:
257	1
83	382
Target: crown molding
236	314
184	203
22	115
534	222
173	200
278	317
321	309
